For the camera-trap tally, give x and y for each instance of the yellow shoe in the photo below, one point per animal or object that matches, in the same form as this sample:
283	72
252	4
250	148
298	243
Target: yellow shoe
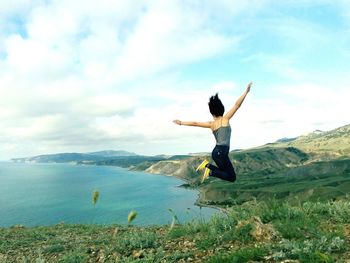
202	165
206	174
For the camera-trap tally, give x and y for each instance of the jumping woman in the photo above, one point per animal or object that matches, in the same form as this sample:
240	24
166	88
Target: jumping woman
222	131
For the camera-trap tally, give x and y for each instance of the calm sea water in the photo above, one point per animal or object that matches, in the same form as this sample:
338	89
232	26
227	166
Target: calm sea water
46	194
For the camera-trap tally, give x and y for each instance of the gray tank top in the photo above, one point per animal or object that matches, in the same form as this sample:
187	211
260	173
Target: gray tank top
223	135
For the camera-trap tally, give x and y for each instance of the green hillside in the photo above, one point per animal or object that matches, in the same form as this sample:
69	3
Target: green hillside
311	167
319	181
323	145
267	160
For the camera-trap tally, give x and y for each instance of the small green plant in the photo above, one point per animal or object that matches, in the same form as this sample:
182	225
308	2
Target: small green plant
243	255
177	231
74	257
311	250
294	228
221	223
40	260
178	255
316	257
56	248
175	219
136	240
132	215
277	210
243	233
172	224
95	196
206	243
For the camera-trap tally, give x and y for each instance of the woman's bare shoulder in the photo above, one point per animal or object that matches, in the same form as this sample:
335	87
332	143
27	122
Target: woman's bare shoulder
225	121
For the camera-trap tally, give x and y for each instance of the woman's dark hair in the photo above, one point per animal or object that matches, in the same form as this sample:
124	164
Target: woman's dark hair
215	106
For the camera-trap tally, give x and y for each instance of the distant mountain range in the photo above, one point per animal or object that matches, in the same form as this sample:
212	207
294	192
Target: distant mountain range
111	153
108	157
75	157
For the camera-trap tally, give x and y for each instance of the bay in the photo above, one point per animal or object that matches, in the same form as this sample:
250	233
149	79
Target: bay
47	194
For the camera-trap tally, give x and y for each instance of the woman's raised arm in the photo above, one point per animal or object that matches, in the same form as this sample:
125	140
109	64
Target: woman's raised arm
238	103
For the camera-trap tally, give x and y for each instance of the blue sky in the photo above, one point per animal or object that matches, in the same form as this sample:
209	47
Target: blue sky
114	74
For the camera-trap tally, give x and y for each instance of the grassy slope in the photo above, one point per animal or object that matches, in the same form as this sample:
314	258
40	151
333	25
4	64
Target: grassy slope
255	231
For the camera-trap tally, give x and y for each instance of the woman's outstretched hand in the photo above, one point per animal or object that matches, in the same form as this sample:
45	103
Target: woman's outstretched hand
248	87
177	122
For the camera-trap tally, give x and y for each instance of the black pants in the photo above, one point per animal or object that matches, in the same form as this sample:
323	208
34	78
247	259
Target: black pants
224	169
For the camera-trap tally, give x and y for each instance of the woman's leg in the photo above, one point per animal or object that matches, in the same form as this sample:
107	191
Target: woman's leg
225	169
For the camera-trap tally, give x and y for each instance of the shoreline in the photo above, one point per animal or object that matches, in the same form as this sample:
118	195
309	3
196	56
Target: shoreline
187	183
182	198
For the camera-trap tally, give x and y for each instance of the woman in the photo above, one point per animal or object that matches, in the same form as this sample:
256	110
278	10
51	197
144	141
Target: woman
222	131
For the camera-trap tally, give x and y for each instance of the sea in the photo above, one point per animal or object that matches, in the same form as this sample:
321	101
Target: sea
33	194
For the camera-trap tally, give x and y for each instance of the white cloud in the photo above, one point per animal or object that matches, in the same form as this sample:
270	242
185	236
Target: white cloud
81	77
224	86
28	57
65	67
161	40
282	64
104	105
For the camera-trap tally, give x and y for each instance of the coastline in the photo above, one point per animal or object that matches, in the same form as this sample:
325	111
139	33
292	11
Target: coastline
187	185
162	189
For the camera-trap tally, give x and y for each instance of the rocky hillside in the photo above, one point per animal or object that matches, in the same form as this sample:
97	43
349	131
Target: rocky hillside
267	159
248	162
181	168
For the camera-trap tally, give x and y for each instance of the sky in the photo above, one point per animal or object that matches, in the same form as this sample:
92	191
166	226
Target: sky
81	76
